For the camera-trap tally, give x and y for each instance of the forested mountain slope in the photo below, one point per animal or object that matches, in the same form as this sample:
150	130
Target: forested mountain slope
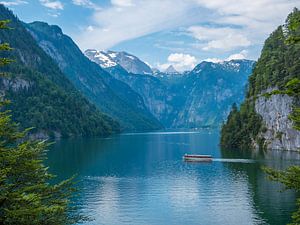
112	96
41	95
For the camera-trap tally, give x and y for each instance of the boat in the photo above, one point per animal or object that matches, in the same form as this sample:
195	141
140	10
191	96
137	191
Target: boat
197	158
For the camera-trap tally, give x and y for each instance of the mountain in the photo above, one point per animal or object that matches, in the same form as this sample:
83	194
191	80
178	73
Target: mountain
130	63
156	94
269	117
41	95
211	89
112	96
171	70
192	99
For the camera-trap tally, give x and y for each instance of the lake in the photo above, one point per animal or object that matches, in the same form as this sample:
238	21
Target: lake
141	179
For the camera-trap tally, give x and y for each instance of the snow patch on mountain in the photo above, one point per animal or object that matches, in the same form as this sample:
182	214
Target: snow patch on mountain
101	58
130	63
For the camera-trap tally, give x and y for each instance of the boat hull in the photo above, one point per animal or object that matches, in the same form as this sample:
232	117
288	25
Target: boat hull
197	158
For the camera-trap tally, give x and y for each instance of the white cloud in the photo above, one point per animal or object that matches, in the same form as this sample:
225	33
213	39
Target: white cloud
90	28
86	4
13	3
219	38
241	55
54	14
55	5
122	3
256	17
181	62
234	25
120	22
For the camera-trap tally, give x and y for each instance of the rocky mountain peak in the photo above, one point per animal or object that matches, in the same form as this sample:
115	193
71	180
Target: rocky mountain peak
129	62
171	70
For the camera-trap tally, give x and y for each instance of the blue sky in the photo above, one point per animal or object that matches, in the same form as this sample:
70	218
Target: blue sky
163	32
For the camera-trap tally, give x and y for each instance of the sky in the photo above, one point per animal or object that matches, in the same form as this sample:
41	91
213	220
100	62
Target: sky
181	33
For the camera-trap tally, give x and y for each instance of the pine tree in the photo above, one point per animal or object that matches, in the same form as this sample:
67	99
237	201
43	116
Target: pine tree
26	196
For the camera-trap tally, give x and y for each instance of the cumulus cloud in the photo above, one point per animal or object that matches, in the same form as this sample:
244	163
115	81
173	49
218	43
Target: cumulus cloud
55	5
181	62
219	38
241	55
13	3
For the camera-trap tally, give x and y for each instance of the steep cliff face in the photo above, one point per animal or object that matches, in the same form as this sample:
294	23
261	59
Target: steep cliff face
269	117
211	89
279	132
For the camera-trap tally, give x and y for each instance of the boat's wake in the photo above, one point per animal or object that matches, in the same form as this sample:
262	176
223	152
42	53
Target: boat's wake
235	160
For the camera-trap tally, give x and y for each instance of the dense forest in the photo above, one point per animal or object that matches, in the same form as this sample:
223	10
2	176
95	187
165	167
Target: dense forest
41	96
276	72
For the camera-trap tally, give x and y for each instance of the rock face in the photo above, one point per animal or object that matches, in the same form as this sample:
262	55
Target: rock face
14	84
211	89
275	112
157	95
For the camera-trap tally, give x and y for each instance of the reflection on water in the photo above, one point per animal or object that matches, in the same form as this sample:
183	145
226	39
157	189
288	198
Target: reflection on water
141	179
235	160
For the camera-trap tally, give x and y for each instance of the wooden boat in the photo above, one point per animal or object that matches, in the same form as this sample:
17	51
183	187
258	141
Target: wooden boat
197	158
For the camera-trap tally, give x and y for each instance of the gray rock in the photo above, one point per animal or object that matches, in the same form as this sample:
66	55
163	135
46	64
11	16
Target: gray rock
275	112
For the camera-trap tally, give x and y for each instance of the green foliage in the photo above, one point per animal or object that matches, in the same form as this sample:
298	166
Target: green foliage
26	197
293	27
290	178
241	128
4	24
279	60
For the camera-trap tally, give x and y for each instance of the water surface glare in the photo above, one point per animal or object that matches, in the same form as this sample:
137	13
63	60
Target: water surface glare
141	179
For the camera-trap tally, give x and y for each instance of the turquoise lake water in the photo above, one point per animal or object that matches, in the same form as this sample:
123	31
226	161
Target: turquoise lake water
141	179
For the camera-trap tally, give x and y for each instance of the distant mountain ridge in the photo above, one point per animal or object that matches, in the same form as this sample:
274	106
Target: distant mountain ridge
112	96
211	89
130	63
201	97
